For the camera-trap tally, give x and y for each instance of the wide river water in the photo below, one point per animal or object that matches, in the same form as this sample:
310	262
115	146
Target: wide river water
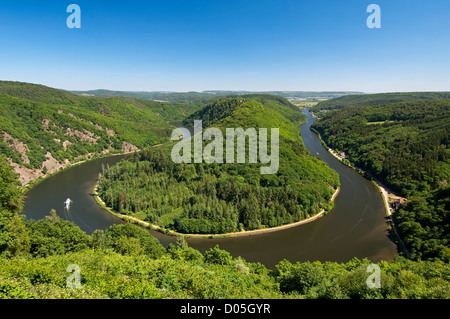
356	227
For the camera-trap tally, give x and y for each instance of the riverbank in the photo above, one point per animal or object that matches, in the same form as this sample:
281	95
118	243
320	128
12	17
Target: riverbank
40	178
234	234
389	211
386	194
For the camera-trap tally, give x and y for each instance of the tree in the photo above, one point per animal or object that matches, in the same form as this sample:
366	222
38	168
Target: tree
115	239
128	246
54	235
14	238
218	256
11	197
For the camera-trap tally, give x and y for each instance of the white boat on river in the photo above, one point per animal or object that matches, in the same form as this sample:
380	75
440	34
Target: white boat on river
67	203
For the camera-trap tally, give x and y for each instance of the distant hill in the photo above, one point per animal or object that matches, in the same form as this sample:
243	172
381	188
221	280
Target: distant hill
377	99
174	97
211	95
309	95
217	110
37	93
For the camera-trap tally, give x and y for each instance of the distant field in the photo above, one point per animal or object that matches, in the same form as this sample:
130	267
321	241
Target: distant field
379	122
304	103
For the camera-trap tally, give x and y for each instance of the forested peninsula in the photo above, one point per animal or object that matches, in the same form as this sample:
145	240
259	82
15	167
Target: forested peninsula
212	198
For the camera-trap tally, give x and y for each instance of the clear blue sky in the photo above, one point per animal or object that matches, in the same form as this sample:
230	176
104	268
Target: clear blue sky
228	44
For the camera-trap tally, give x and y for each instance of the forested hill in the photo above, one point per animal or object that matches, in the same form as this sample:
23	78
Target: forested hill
42	129
220	198
406	145
38	93
377	99
223	108
106	105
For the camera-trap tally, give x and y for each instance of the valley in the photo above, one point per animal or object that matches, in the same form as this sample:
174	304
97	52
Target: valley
351	230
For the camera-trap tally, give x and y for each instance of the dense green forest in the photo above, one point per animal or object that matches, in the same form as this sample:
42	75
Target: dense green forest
220	198
125	262
376	99
405	145
36	120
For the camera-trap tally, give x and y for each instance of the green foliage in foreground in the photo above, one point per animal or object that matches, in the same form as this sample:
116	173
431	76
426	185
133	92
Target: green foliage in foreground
123	268
14	239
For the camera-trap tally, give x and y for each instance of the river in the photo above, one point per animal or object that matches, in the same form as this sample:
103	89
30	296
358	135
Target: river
356	227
